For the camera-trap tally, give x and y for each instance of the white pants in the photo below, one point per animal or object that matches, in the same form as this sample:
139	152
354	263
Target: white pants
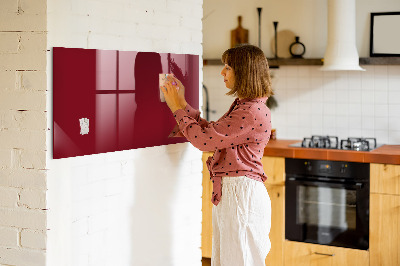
241	223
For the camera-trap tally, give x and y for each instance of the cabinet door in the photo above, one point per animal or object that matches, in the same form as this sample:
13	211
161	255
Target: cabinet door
274	168
384	229
277	233
305	254
385	178
206	232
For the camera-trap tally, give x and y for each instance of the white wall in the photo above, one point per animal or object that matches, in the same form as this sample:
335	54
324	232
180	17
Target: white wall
305	18
136	207
311	102
23	132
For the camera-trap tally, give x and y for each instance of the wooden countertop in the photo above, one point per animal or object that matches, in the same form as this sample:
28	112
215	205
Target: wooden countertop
389	154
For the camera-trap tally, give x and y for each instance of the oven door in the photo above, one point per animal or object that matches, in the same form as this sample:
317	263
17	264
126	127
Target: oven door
327	213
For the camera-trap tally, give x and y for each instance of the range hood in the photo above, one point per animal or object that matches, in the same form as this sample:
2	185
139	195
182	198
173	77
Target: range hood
341	51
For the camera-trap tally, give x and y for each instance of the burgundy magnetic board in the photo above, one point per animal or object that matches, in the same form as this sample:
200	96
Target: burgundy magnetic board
109	100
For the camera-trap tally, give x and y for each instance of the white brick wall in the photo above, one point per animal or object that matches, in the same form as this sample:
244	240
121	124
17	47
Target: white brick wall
136	207
100	206
23	132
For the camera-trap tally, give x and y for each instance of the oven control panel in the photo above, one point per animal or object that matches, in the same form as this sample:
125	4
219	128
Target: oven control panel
336	169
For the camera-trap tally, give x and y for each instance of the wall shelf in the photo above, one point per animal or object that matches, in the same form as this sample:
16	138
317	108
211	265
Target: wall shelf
380	61
274	63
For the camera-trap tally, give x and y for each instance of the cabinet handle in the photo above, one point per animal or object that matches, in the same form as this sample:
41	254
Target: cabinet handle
325	254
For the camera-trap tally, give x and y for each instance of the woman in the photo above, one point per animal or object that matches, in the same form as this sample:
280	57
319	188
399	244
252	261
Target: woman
242	209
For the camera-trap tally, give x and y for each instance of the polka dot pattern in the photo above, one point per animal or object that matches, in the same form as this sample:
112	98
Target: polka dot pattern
238	139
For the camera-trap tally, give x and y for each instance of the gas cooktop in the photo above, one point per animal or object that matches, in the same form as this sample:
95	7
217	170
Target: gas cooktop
332	142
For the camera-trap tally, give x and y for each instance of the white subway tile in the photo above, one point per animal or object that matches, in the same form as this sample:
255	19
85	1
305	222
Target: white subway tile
367	133
342	122
342	133
380	71
329	109
354	83
393	71
328	74
394	123
329	93
342	97
303	82
367	96
368	110
368	123
342	80
342	109
394	110
382	123
355	96
291	71
382	136
394	97
380	84
381	97
317	83
355	132
382	110
394	83
292	83
355	122
304	72
355	109
394	137
329	123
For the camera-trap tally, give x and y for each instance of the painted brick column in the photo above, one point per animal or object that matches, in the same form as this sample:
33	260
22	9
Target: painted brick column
23	132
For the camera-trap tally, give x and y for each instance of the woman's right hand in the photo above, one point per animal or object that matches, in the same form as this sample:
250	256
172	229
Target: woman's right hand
181	91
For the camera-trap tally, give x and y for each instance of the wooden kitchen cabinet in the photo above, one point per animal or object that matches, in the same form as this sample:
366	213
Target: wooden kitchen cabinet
305	254
385	178
277	233
206	225
274	168
384	236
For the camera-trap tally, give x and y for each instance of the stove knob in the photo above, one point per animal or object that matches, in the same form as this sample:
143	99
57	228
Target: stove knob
308	166
343	168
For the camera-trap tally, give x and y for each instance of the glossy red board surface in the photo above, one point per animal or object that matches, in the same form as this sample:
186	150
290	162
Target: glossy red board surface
118	93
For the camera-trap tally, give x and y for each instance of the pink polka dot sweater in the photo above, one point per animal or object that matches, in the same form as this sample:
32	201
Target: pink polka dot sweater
238	139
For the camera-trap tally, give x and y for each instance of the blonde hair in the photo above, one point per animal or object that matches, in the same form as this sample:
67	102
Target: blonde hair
250	66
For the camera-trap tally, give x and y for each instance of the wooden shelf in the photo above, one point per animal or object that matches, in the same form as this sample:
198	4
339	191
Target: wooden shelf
380	61
273	63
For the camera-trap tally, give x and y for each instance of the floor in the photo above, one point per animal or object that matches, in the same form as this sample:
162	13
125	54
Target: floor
206	261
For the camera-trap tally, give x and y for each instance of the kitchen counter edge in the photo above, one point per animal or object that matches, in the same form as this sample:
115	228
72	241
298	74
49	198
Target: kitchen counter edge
386	154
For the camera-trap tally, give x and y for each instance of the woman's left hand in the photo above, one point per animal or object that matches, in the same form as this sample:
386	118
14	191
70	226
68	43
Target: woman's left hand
171	95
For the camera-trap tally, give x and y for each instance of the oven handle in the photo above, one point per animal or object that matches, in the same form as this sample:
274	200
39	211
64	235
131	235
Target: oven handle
357	185
325	254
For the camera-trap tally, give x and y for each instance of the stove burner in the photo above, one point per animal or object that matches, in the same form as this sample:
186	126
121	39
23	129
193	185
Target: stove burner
332	142
328	142
358	144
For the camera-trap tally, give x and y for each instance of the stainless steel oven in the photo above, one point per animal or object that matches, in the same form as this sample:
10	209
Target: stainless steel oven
327	202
